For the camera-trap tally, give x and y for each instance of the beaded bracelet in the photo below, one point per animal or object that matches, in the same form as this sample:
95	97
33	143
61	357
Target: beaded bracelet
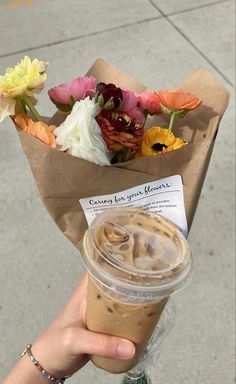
40	368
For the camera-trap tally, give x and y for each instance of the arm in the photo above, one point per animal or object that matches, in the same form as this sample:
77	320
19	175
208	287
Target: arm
65	346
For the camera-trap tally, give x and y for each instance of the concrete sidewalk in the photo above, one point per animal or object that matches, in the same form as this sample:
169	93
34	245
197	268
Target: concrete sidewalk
158	42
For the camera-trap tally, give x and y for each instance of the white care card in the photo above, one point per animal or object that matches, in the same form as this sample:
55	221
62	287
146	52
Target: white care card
164	197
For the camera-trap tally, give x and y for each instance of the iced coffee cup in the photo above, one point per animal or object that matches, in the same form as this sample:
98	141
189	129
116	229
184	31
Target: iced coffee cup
136	260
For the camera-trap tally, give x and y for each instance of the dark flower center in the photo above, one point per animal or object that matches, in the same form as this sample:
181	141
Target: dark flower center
110	92
120	121
158	147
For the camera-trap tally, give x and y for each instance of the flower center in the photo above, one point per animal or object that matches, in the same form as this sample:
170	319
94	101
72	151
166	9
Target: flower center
158	147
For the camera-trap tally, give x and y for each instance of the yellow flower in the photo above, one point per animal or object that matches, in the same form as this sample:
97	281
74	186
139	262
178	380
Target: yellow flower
157	140
25	78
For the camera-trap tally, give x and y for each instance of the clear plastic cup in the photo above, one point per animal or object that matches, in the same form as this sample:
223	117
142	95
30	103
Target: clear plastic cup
136	260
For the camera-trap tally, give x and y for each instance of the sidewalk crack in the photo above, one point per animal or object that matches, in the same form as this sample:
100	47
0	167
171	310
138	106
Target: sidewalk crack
166	17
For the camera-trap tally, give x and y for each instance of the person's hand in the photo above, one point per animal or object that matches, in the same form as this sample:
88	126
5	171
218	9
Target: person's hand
66	345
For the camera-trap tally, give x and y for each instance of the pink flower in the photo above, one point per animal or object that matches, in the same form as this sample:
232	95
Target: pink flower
130	106
65	95
149	102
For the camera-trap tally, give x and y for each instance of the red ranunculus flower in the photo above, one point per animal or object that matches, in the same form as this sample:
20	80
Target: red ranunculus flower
119	130
109	96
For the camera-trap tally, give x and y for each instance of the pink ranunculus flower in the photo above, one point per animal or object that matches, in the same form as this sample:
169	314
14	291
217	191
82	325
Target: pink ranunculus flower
149	102
65	95
130	106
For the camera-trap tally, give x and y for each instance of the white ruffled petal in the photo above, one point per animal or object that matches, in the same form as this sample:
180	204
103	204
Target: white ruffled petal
7	107
80	134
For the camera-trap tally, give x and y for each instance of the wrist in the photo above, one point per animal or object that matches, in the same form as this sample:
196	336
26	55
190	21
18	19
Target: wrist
42	369
40	358
24	372
31	371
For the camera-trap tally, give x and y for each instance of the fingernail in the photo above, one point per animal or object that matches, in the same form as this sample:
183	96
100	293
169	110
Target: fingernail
125	349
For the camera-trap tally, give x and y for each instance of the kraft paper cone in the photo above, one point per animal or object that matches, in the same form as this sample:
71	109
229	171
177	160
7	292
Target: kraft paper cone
62	179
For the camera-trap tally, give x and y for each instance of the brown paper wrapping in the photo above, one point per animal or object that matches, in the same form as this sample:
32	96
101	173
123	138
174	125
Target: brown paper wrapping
63	179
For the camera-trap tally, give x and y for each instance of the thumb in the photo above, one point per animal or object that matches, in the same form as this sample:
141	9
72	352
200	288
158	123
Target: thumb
107	346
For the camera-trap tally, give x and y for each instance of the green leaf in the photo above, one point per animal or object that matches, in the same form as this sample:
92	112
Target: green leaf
110	105
181	113
62	107
165	110
99	99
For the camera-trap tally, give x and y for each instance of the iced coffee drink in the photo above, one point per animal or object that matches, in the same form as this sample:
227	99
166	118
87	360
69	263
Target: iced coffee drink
136	260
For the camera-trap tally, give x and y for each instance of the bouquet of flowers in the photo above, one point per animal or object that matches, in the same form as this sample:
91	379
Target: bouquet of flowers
110	133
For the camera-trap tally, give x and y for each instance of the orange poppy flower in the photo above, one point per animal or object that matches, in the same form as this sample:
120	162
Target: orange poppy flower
175	100
157	140
37	129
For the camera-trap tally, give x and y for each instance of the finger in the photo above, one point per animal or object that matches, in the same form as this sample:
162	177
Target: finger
103	345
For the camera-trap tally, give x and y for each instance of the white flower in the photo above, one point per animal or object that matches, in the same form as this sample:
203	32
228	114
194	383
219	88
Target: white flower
7	106
80	133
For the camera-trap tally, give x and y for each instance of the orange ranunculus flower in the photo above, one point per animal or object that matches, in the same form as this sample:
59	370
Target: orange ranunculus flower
37	129
157	140
175	100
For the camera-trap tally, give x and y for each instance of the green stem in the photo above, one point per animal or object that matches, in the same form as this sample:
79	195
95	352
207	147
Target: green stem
119	157
172	120
126	154
21	105
26	100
